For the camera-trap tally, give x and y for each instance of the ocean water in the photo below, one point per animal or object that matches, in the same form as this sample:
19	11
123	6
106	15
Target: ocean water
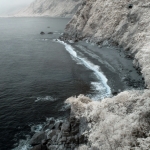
38	72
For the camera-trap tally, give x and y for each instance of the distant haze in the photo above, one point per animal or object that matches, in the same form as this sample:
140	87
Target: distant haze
8	7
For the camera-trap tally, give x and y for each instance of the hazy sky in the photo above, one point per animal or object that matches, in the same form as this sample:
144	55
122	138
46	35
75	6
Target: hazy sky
8	6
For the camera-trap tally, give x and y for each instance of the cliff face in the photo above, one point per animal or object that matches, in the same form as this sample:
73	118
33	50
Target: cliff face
121	122
124	22
52	8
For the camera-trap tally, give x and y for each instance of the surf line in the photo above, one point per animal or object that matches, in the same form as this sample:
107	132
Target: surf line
100	76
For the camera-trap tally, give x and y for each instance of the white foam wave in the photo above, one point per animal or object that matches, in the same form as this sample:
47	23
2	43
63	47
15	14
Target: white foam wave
23	144
96	69
46	98
98	88
69	48
36	128
65	107
93	55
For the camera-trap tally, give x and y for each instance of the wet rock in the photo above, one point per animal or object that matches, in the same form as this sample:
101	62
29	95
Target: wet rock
62	135
52	147
82	139
59	136
129	56
37	138
63	139
44	142
42	33
68	140
76	40
74	125
39	147
65	127
76	139
48	127
58	125
61	147
54	138
52	133
105	43
50	32
114	93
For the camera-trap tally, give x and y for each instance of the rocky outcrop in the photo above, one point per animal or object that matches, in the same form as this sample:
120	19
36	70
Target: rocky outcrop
121	123
59	135
51	8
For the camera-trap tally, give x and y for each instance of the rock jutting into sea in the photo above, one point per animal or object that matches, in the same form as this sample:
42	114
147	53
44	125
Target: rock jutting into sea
61	134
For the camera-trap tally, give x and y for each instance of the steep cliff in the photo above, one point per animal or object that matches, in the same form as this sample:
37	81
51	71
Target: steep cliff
124	22
52	8
121	122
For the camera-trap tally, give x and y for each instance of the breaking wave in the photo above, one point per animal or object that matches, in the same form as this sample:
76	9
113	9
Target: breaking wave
46	98
65	107
102	88
36	128
23	144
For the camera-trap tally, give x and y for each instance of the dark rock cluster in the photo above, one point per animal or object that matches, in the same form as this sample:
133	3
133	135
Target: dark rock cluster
42	33
60	135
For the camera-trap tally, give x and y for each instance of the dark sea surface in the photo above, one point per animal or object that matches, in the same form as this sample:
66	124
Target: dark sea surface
37	74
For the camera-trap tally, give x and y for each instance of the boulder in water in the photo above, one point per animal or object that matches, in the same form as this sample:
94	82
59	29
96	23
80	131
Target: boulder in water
42	33
50	32
37	138
40	147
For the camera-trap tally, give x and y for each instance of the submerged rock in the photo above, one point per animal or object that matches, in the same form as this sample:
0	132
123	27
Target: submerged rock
50	32
42	33
40	147
37	138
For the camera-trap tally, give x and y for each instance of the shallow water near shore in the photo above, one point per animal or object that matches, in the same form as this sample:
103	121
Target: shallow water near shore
38	74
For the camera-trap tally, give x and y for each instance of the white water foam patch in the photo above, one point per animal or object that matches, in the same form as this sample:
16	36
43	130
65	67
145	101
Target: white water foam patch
23	144
65	107
93	55
36	128
46	98
98	88
94	68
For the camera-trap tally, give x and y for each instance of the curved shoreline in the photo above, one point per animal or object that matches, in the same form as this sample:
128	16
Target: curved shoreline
53	133
121	122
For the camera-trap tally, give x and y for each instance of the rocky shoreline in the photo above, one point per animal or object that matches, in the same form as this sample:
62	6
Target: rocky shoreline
60	135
